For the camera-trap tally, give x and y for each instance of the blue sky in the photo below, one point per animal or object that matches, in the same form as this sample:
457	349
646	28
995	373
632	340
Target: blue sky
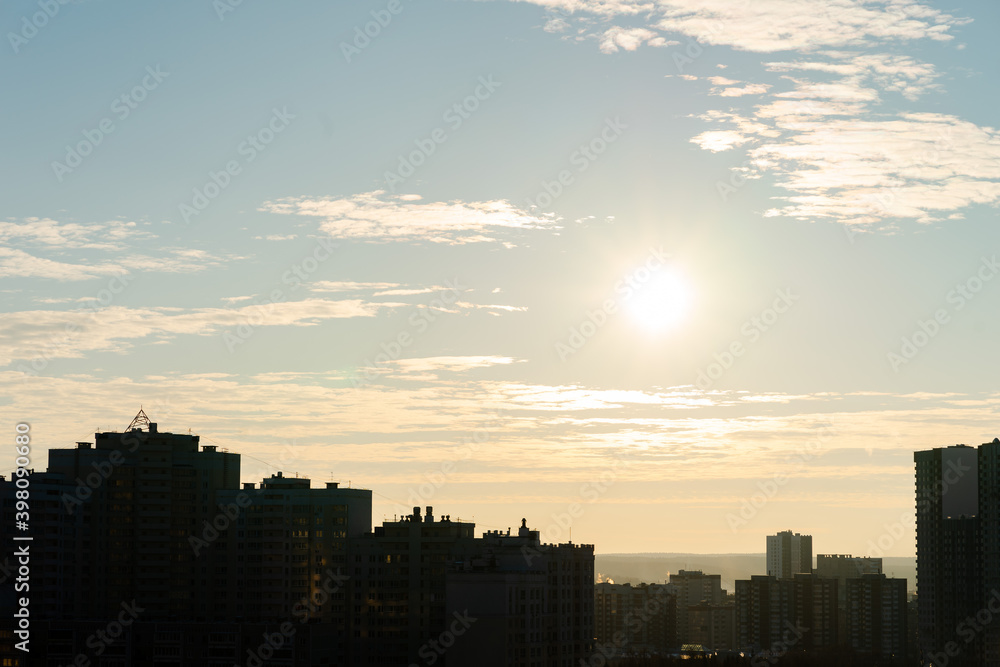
651	254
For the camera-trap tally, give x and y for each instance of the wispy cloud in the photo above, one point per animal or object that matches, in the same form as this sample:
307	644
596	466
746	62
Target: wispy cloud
629	39
764	26
84	251
73	333
45	232
820	126
378	217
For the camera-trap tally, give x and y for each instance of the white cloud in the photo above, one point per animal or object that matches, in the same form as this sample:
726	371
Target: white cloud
823	133
768	26
430	368
46	232
87	251
347	286
376	216
918	166
843	161
719	140
628	39
740	91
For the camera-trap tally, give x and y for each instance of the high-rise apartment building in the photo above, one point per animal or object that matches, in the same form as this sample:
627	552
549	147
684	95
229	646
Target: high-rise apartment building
712	626
635	620
287	550
694	587
958	554
778	615
876	616
789	554
412	579
154	532
842	567
143	494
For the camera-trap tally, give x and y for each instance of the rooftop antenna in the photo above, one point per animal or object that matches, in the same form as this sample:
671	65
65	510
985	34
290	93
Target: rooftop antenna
140	420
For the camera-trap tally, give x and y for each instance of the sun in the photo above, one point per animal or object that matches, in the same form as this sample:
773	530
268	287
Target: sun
660	303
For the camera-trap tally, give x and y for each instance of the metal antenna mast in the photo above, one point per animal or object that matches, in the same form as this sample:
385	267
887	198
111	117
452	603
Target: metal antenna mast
140	420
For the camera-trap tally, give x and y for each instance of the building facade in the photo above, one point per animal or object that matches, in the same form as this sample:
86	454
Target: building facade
876	616
635	620
151	536
789	554
951	552
775	616
694	587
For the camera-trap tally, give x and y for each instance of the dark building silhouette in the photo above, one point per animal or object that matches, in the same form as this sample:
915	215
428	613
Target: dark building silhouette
776	616
958	554
142	494
414	579
694	587
712	625
876	616
286	546
843	567
635	620
150	538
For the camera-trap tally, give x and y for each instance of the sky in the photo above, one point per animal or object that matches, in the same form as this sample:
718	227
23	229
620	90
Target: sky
656	275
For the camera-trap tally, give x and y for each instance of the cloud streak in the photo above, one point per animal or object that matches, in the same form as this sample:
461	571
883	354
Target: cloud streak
378	217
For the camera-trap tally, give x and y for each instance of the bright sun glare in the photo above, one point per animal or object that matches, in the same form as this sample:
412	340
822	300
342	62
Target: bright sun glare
661	302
